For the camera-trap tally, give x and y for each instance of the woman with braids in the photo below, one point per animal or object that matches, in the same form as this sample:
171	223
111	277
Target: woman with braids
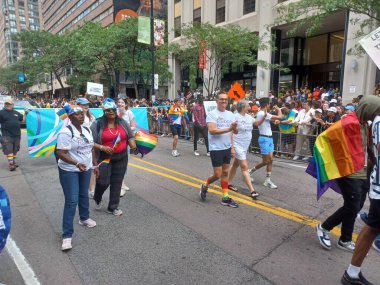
112	132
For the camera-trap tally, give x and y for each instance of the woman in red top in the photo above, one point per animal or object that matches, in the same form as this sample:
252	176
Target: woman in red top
111	132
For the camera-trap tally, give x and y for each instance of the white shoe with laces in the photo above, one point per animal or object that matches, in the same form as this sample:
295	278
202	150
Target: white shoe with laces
323	237
347	246
66	244
90	223
296	157
269	184
117	212
196	153
175	153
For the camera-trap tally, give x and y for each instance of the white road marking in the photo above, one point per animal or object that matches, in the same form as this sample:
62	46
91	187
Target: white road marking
22	264
291	164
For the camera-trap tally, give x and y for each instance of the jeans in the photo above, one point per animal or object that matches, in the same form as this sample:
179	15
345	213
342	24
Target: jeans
354	192
111	175
203	130
75	189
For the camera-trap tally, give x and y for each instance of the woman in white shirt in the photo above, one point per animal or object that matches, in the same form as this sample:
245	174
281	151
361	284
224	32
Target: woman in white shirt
76	158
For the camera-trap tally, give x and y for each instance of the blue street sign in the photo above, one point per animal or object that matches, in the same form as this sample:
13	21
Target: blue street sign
21	77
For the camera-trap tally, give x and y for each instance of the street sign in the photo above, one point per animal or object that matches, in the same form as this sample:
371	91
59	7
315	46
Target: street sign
156	81
94	89
236	92
21	77
371	44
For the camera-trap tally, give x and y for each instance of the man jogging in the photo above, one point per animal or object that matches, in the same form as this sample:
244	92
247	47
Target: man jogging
221	123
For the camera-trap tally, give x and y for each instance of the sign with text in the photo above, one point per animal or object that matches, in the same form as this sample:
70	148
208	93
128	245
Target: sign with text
209	106
371	44
236	92
94	89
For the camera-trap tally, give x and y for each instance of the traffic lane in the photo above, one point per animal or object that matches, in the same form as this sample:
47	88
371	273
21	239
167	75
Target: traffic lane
9	273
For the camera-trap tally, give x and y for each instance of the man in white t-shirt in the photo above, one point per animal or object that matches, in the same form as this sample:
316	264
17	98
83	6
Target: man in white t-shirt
266	140
368	110
221	124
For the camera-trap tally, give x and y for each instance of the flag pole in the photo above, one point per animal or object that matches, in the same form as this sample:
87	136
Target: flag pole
152	48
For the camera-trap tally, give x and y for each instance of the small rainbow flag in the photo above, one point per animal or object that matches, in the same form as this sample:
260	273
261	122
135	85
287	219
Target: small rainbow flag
105	161
62	114
337	152
145	143
116	142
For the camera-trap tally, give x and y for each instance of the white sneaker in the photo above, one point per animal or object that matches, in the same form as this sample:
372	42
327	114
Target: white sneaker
175	153
162	135
296	157
123	192
117	212
66	244
208	154
323	237
90	223
306	158
270	184
196	153
125	187
98	207
347	246
91	194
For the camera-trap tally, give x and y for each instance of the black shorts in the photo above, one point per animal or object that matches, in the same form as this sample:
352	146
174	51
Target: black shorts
176	129
11	145
374	214
220	157
288	138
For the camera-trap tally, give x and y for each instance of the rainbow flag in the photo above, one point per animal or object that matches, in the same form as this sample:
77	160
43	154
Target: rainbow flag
105	161
175	112
337	152
62	114
145	143
116	142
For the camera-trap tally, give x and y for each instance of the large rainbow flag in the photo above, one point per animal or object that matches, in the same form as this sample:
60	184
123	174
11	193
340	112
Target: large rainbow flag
337	152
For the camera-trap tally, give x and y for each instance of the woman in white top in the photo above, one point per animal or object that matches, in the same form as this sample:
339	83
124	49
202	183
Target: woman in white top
89	118
128	116
242	140
76	157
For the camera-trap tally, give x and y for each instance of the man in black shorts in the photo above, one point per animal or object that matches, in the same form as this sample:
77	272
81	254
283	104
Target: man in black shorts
221	123
11	134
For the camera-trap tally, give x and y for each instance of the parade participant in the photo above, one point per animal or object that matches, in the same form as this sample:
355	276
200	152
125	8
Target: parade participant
10	121
76	158
126	114
266	140
368	110
177	115
112	132
221	123
303	120
242	140
89	118
199	120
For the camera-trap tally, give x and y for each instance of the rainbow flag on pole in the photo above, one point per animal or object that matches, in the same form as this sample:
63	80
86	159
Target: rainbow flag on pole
337	152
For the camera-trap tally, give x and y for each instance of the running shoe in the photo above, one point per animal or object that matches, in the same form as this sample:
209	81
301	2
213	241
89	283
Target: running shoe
270	184
117	212
208	154
296	157
98	206
376	244
347	246
229	202
233	188
196	153
254	195
91	194
90	223
203	191
123	191
348	280
323	237
175	153
66	244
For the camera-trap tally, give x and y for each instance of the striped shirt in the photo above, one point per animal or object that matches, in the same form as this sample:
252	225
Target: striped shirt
374	192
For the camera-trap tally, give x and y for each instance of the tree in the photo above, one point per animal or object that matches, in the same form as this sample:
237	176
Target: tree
9	78
308	15
226	46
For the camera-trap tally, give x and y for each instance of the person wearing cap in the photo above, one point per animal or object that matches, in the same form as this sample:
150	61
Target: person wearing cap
348	109
331	117
177	116
10	121
111	133
76	158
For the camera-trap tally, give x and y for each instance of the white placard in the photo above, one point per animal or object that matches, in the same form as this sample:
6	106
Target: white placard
209	106
261	94
352	89
94	89
153	98
156	81
371	44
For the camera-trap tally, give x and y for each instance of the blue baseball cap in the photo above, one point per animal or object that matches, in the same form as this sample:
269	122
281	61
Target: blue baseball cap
350	107
109	103
82	101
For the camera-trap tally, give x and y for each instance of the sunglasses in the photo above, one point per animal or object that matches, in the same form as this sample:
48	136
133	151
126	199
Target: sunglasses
83	137
110	110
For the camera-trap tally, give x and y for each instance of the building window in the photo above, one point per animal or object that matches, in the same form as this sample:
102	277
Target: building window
315	51
177	18
336	46
287	52
197	11
249	6
220	11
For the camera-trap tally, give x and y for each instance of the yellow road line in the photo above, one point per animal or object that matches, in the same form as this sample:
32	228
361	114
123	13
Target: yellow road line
278	211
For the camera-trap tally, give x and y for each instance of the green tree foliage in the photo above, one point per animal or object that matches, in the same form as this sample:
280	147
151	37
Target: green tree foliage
308	15
226	46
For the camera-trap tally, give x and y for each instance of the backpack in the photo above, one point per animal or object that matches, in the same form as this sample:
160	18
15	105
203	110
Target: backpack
72	135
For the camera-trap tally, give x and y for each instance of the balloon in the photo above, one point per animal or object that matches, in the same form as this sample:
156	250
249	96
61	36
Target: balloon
145	143
5	217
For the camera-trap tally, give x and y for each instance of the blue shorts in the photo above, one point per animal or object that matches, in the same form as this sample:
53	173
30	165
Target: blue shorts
266	145
176	129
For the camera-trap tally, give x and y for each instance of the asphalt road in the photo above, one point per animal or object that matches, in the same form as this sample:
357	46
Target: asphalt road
168	236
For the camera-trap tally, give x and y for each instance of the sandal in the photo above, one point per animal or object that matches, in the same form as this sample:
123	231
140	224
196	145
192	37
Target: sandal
254	195
233	188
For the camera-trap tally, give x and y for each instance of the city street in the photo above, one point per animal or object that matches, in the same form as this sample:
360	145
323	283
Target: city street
167	235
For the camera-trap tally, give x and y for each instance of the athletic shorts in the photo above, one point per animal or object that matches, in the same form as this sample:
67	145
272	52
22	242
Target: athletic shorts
266	145
374	214
220	157
176	129
11	145
240	153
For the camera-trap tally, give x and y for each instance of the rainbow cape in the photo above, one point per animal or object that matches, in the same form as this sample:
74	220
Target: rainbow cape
175	112
337	152
288	129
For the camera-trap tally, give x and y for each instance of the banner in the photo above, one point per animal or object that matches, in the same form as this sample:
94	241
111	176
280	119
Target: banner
94	89
144	30
134	8
203	59
5	217
159	32
209	106
371	44
43	126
